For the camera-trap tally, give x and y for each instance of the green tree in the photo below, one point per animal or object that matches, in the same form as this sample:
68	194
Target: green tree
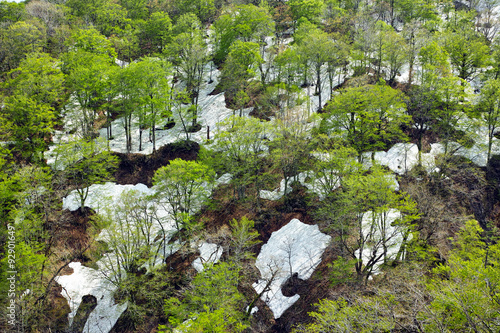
91	40
213	304
468	50
368	117
183	186
318	49
154	87
188	53
38	77
308	9
19	39
370	219
156	32
237	147
332	166
465	290
240	67
366	315
28	124
129	231
87	78
489	110
83	163
246	22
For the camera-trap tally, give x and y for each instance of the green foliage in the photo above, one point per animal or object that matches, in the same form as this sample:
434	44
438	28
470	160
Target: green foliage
332	166
308	9
468	51
362	316
465	290
363	218
183	186
237	146
131	235
488	109
240	67
213	304
245	22
11	11
83	163
90	40
28	124
38	77
368	117
243	238
156	32
154	93
19	39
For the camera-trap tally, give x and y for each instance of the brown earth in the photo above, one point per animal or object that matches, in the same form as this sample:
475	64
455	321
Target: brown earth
140	168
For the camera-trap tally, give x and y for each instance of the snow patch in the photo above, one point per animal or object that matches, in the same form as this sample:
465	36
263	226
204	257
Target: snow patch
209	253
88	281
374	228
295	248
102	195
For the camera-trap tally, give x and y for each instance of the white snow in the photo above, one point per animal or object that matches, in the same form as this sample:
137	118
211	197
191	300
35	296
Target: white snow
401	158
88	281
374	228
209	253
102	195
295	248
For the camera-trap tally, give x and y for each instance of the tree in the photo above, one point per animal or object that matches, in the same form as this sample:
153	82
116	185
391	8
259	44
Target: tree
243	238
246	22
127	81
156	32
489	110
91	40
83	163
237	147
188	53
289	152
332	166
28	124
154	93
318	49
465	290
468	52
87	77
308	9
129	230
368	117
242	60
372	220
364	315
17	40
34	90
205	11
213	304
183	186
38	77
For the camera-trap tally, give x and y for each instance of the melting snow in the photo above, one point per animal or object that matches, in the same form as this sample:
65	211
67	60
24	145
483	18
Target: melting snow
209	253
295	248
374	229
88	281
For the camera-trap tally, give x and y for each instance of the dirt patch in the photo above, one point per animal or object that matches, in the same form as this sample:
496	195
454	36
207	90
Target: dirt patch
140	168
71	232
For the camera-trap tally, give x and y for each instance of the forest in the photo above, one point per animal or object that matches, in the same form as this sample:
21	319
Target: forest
249	166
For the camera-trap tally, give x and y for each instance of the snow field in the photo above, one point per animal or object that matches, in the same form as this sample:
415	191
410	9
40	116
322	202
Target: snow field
295	248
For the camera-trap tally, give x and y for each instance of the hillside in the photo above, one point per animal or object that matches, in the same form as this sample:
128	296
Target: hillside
222	166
